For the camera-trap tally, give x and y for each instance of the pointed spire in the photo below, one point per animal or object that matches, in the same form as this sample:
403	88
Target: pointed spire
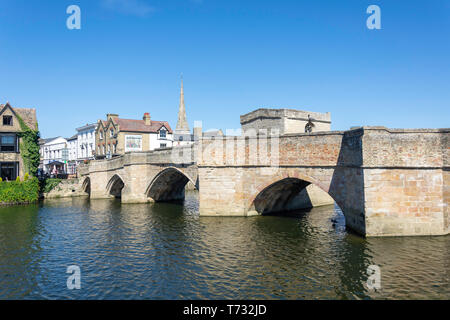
182	124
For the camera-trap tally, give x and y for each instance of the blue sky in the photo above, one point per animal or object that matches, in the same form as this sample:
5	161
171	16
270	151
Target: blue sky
235	56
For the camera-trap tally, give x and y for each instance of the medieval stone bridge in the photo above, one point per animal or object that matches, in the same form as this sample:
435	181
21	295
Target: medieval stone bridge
387	182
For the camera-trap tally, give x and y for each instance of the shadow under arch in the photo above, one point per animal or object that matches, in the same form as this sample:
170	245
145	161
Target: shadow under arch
115	186
86	186
169	185
286	193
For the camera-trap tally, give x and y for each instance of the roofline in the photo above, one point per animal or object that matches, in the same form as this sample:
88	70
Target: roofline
93	125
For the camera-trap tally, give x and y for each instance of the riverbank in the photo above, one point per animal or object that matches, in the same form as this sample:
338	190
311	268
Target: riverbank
19	192
58	188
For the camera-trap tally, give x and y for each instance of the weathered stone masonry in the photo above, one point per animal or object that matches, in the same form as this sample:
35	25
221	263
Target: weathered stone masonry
387	182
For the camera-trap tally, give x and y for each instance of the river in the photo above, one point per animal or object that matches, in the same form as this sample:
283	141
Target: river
166	251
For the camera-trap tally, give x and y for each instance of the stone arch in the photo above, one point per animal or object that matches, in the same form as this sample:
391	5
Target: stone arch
86	186
168	185
115	186
283	192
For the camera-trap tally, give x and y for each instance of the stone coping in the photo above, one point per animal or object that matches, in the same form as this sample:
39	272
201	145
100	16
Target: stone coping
285	113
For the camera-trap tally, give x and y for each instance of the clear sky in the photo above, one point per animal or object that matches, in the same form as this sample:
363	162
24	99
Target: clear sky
235	56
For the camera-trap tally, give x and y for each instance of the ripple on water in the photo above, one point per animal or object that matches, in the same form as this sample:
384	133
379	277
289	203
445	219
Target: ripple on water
166	251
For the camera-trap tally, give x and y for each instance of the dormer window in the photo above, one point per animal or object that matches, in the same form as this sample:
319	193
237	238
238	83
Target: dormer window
7	120
162	133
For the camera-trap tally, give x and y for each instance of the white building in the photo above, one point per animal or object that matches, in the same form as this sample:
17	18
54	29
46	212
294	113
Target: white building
55	154
86	142
163	138
73	154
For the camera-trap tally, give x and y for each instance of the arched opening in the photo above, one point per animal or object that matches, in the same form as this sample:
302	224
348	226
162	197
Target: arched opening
290	194
86	186
115	186
168	185
284	195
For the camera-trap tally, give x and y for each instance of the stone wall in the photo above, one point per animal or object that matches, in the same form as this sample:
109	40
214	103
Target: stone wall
137	172
284	121
405	181
232	172
66	189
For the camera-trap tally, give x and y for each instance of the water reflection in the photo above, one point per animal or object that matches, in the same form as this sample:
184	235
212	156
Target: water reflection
166	251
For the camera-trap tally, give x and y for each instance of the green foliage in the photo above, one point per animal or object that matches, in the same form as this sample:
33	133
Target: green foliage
18	179
48	185
29	147
19	192
26	177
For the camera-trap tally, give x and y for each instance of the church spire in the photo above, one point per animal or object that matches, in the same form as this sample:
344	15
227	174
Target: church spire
182	124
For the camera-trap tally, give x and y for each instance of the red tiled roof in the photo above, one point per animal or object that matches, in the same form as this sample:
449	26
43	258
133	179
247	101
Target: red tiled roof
140	126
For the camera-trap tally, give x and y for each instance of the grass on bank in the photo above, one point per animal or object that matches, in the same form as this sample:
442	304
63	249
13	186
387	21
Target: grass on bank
26	190
48	185
19	191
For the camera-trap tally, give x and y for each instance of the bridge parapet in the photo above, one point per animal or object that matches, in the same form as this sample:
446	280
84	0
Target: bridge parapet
406	148
82	170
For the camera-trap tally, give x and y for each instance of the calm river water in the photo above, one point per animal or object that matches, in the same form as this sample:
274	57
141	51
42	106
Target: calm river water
166	251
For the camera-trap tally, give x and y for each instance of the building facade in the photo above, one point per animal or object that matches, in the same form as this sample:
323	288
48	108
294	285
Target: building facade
11	162
116	136
86	142
55	153
72	146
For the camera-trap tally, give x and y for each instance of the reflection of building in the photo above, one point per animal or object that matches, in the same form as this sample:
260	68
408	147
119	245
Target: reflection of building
55	154
86	142
182	135
115	136
11	163
284	121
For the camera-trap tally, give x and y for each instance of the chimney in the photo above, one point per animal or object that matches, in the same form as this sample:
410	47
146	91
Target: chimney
147	119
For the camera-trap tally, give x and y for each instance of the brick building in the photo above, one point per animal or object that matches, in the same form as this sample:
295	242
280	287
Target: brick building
115	136
11	163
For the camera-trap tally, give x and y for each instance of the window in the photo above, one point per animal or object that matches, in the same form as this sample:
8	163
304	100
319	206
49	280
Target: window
162	134
101	135
111	133
181	138
163	145
7	121
8	170
8	143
